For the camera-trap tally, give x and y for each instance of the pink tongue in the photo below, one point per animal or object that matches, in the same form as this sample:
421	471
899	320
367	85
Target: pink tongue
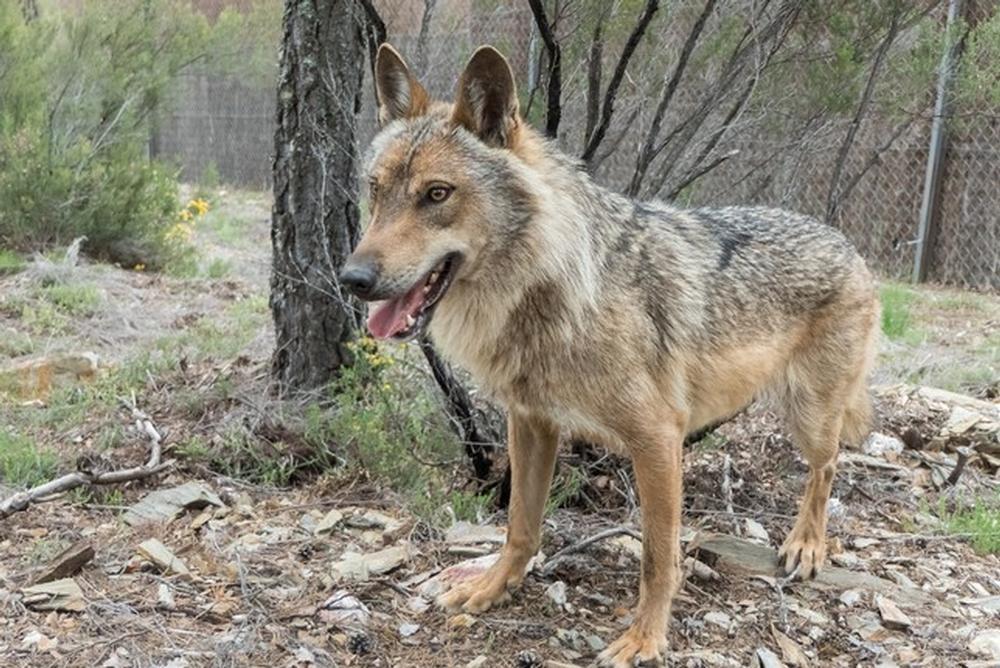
389	317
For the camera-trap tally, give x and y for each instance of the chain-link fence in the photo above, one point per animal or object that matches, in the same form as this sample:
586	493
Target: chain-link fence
749	120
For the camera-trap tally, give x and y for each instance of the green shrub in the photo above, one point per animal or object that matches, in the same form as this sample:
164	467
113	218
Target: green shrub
79	91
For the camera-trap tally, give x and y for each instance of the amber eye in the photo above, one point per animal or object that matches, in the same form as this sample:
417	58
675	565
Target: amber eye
438	193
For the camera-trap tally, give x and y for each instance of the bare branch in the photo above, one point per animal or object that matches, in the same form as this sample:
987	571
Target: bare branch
646	154
425	24
374	29
834	198
697	174
22	500
874	159
553	112
775	32
458	403
595	65
616	79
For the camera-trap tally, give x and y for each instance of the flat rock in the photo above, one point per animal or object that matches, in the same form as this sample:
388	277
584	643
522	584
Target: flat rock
466	533
986	643
755	531
791	653
891	615
68	562
360	567
718	618
557	592
882	445
329	522
64	595
850	597
159	555
36	378
768	659
344	610
753	559
166	504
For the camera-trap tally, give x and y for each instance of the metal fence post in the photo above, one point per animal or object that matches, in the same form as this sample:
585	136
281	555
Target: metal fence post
929	209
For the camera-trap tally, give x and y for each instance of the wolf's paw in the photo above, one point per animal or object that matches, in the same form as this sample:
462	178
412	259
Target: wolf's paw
803	553
481	592
635	646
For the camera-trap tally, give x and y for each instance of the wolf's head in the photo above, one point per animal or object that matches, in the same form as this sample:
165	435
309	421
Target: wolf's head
448	191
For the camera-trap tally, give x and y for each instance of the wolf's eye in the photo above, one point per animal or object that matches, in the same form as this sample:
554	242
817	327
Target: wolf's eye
439	193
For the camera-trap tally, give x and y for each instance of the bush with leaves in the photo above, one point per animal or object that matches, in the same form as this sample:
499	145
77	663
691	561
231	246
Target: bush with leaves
80	89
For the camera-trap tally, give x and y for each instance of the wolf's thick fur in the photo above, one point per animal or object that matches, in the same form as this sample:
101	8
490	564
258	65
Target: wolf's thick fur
626	323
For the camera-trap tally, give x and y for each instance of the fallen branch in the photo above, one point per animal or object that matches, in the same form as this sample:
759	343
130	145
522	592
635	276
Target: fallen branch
22	500
586	542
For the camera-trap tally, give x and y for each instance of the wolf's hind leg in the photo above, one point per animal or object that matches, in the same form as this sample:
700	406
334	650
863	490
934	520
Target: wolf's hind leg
805	547
531	447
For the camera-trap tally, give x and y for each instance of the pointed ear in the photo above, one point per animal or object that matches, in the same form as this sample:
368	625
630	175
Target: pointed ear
398	93
486	104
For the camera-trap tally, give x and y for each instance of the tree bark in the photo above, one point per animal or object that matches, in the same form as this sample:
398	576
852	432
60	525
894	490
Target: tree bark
315	217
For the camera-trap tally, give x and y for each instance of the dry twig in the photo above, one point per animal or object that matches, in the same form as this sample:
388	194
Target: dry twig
22	500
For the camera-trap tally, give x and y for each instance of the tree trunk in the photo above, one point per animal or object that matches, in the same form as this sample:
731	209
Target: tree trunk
315	218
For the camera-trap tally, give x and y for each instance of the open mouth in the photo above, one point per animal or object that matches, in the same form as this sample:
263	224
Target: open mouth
405	317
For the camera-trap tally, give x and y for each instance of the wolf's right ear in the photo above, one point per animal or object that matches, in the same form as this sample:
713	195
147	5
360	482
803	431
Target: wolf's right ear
486	104
398	93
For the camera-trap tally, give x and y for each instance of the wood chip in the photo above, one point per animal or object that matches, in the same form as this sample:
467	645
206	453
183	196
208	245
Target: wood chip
68	563
64	595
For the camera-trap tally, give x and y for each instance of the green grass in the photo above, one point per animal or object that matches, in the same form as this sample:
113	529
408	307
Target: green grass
22	463
14	343
979	522
897	317
218	268
78	299
10	262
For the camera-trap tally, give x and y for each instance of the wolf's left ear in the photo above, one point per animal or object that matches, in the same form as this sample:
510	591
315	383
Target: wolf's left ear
487	98
398	93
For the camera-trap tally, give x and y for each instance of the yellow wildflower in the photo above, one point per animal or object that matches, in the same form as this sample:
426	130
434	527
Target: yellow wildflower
139	267
199	205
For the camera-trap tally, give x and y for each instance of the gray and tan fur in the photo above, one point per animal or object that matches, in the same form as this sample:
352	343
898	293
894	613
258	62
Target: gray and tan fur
627	323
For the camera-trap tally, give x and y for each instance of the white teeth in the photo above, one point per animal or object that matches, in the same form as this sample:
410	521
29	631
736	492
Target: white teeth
434	277
410	321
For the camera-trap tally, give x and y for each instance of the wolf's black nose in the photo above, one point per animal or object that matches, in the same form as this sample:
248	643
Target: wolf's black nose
359	278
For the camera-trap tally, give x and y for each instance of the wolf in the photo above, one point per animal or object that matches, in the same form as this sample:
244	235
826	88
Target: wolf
587	314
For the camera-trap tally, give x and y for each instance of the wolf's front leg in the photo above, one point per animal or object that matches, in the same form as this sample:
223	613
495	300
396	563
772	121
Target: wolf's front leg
531	447
658	473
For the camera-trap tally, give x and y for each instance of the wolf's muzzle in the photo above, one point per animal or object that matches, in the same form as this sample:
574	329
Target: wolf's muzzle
359	278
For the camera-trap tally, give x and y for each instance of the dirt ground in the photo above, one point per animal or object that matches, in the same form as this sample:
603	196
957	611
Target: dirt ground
337	571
